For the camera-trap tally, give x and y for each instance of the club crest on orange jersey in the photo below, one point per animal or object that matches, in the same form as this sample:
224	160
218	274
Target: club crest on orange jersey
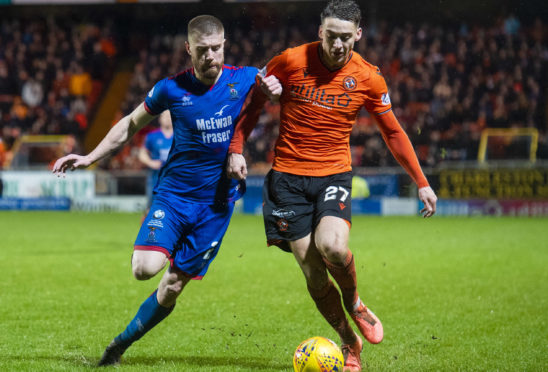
349	83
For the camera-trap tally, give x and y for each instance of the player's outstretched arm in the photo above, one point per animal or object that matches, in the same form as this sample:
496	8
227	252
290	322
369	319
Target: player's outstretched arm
118	135
269	87
402	149
236	166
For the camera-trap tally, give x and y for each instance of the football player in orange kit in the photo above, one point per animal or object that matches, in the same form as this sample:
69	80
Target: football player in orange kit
307	192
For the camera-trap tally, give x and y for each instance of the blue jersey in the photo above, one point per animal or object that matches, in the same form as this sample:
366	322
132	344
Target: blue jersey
158	146
203	120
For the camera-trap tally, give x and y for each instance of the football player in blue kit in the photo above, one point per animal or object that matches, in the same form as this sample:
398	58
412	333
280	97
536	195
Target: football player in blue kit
153	154
193	199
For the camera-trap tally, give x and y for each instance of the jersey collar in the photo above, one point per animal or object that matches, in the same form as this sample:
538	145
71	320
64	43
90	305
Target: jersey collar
201	86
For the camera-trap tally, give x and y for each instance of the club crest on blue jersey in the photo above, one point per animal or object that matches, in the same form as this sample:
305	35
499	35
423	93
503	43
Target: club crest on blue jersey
151	238
233	92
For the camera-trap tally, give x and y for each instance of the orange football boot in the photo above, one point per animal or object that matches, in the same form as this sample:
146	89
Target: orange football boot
369	325
351	354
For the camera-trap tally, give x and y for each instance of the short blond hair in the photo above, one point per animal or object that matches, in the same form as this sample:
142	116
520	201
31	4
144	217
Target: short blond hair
205	25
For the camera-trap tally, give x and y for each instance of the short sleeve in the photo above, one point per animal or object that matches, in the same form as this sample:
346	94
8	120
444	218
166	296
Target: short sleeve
377	100
251	77
156	99
278	66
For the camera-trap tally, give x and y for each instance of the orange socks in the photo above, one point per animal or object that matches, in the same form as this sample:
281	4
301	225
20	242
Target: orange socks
345	276
328	302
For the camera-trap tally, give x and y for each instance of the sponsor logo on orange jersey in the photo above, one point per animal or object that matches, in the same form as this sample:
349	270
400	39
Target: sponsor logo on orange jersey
318	96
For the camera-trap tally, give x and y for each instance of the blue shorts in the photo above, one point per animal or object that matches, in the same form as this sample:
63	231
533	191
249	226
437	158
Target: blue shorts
189	234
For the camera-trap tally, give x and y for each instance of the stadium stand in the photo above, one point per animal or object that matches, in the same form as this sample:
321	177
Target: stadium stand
447	83
52	74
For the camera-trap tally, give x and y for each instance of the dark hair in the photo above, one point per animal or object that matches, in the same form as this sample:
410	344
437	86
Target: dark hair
347	10
205	24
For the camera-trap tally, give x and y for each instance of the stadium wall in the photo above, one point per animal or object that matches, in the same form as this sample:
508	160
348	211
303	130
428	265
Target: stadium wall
462	192
41	190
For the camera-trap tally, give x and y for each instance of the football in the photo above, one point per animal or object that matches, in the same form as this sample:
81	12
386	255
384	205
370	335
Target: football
318	354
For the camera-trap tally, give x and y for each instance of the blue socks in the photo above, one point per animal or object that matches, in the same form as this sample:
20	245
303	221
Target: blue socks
150	313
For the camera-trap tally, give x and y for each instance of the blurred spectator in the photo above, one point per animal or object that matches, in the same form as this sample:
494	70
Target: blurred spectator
32	92
80	81
511	25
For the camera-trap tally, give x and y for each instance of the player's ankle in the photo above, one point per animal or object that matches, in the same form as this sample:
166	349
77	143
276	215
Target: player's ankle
349	338
356	305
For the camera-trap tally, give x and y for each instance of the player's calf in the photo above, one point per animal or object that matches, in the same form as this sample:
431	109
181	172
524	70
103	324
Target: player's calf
171	286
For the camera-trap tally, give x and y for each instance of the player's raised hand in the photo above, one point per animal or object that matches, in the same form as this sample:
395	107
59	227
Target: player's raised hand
71	162
236	166
429	198
270	86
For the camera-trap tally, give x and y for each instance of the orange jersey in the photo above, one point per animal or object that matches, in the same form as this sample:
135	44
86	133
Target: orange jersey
319	108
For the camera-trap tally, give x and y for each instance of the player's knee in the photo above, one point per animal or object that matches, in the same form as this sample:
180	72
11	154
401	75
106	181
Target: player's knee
169	291
147	264
174	289
141	272
333	249
139	267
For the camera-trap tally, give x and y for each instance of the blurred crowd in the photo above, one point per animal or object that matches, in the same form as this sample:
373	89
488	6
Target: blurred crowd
52	73
156	58
446	82
446	85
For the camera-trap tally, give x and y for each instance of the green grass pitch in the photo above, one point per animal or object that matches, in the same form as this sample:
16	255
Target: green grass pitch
454	294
